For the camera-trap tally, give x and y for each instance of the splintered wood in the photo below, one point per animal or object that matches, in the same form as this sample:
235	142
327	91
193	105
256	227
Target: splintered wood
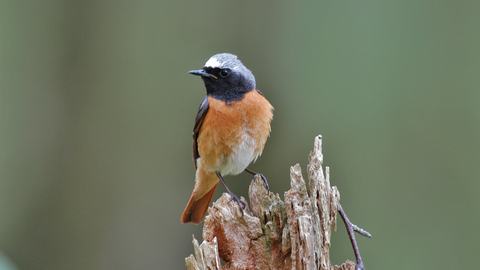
273	234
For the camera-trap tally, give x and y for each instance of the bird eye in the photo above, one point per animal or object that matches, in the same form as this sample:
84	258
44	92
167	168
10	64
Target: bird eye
224	72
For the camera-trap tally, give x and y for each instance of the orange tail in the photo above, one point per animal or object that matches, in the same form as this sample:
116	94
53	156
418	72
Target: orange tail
197	207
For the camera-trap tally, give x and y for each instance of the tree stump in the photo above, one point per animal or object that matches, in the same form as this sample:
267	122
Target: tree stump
273	234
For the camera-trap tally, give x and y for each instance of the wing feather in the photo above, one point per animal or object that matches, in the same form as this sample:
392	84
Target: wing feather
202	111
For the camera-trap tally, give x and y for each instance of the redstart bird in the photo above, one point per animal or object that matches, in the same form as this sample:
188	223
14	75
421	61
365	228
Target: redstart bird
231	128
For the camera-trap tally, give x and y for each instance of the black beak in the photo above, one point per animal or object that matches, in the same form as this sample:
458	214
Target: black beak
202	73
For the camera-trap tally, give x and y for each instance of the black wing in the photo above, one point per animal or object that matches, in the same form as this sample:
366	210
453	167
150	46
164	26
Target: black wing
202	111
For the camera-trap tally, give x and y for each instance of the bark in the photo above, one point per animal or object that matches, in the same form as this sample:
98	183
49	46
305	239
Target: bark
273	234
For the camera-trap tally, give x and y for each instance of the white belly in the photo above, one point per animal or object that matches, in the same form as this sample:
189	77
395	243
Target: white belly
243	154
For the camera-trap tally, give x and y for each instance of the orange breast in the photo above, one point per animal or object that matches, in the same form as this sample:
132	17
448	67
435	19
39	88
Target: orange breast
233	135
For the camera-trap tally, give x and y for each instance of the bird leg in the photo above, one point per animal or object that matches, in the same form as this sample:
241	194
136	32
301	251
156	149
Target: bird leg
233	196
350	229
261	175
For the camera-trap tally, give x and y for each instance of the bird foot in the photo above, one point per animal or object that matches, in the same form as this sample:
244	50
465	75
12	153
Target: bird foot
233	196
240	203
261	176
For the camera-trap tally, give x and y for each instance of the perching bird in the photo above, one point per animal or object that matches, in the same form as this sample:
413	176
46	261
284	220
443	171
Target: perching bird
231	128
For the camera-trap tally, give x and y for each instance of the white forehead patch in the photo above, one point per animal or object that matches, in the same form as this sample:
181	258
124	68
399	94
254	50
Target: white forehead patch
212	62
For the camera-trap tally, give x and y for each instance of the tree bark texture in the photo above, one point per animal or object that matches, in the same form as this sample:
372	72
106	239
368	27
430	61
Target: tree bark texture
273	234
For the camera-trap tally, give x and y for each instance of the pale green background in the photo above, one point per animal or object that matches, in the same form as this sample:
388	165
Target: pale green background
97	110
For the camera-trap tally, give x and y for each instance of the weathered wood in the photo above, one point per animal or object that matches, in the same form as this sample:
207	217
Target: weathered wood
273	234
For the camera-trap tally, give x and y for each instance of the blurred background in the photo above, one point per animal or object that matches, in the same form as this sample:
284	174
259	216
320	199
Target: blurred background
97	111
